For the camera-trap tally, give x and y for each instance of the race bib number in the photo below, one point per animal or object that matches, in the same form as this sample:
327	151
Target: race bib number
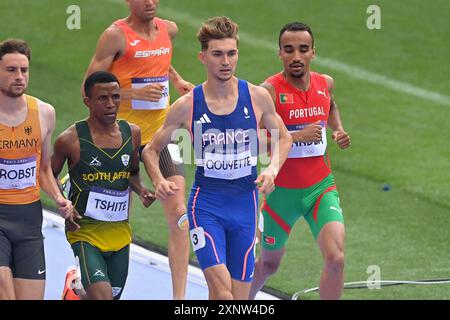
150	105
107	205
17	173
309	149
197	238
228	166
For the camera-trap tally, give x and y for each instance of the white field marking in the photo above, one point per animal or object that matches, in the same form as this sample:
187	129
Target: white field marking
335	65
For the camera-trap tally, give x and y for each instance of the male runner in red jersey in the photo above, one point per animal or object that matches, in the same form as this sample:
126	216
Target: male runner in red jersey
304	186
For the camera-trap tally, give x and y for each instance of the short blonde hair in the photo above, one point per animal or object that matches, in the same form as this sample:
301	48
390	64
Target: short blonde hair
217	28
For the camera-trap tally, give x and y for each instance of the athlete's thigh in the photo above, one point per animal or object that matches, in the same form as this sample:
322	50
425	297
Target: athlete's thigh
207	230
175	205
331	240
5	243
28	257
218	279
99	291
241	237
117	264
6	284
92	264
280	211
326	209
29	260
5	251
27	289
21	252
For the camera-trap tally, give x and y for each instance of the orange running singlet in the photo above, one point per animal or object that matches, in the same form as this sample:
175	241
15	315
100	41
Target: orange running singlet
20	155
144	62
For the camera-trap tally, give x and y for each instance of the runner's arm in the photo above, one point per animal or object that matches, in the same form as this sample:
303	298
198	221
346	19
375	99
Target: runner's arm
63	151
310	133
136	184
46	178
176	118
272	121
282	145
339	135
182	86
110	45
59	156
264	139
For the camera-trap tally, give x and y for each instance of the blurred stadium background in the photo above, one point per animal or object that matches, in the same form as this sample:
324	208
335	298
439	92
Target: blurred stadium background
392	88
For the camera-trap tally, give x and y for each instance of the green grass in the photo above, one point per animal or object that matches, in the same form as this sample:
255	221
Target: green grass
397	138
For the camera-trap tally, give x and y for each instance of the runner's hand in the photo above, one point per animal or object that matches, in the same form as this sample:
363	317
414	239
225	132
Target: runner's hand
71	225
310	133
151	92
165	189
147	197
342	139
266	180
65	207
183	87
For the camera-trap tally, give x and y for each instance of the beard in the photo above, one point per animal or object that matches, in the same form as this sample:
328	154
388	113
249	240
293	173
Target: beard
297	75
11	93
296	69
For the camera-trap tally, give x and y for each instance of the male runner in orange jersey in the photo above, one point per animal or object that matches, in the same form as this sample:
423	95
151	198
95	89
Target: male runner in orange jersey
26	127
304	185
138	51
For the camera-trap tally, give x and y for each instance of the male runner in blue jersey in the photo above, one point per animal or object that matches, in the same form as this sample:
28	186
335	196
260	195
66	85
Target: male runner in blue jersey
223	115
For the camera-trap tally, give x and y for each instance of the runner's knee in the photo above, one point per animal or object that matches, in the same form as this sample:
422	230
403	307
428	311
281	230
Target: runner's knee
221	294
174	213
99	291
269	266
335	261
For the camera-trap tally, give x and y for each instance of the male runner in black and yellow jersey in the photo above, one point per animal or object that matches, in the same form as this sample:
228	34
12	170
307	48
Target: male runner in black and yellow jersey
102	154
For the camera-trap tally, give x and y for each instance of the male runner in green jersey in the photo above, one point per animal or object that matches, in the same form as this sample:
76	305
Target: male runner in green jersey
103	161
305	185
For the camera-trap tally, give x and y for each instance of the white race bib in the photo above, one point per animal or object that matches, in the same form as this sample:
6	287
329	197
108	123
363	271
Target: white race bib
228	166
150	105
197	238
17	173
309	149
107	205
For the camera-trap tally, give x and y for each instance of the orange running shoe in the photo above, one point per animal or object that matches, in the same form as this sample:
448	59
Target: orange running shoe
69	285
